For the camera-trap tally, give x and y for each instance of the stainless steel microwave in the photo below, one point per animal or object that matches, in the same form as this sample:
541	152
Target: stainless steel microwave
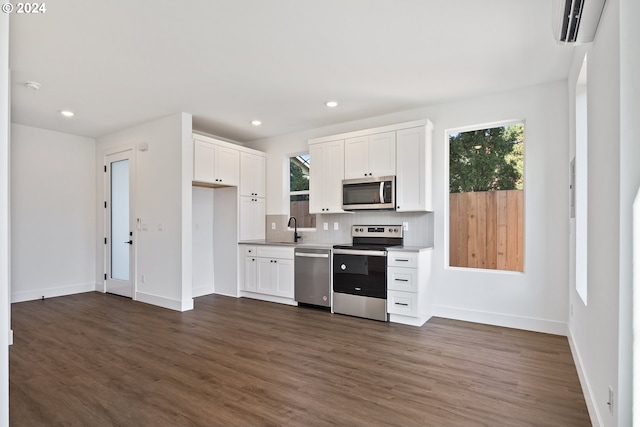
369	193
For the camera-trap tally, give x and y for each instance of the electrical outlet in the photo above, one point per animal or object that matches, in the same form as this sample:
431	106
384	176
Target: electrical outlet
610	402
405	226
336	226
273	225
325	226
142	278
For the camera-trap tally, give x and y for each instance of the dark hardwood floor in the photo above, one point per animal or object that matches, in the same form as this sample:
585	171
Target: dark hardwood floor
101	360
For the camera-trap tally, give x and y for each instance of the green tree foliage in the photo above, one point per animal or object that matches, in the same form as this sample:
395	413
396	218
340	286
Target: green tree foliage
487	159
298	179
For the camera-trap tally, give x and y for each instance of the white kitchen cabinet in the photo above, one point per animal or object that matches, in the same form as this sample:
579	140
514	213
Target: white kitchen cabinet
408	289
370	155
216	164
252	175
252	196
325	177
275	271
252	218
250	270
414	177
402	149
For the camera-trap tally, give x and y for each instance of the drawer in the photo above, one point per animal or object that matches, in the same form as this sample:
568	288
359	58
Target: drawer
404	303
402	259
402	279
249	250
282	252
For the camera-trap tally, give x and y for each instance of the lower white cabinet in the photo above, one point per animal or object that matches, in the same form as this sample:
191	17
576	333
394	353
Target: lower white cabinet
275	277
408	291
268	270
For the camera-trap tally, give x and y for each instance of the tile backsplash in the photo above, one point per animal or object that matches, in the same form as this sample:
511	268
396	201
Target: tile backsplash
420	232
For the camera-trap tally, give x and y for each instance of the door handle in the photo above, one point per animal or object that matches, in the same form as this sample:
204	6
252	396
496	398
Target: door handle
130	242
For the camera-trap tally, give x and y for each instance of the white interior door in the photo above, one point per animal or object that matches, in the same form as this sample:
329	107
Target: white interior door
120	245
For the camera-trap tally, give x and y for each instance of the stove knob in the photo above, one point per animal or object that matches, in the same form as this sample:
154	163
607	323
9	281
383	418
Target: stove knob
343	267
395	230
390	230
361	230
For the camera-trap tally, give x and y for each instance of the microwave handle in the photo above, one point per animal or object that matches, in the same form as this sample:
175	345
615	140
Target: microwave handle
381	191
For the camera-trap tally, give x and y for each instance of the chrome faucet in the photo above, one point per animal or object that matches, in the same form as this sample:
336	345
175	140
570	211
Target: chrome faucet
296	236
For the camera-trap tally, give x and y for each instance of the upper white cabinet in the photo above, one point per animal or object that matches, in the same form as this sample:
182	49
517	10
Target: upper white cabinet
326	175
252	196
403	150
252	218
252	175
413	177
216	164
219	163
370	155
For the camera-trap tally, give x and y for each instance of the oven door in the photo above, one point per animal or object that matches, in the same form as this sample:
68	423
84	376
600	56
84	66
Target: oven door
361	273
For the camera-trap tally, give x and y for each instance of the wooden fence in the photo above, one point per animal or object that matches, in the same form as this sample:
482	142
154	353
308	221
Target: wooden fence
486	230
300	209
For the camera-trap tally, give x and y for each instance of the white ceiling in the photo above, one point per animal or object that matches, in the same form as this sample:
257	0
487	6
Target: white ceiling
118	63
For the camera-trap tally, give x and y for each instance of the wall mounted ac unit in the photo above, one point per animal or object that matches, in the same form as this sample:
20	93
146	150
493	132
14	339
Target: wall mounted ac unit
576	21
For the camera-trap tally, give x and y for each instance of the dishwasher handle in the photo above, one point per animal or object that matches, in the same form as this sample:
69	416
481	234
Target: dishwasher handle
311	255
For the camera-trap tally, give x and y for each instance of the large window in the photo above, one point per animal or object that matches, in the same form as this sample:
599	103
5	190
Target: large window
486	202
579	185
299	167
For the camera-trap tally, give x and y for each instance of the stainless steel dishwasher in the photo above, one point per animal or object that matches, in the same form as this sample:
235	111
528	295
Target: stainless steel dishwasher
313	276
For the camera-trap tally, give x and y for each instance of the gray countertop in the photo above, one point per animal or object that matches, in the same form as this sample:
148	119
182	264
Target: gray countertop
327	245
295	245
409	248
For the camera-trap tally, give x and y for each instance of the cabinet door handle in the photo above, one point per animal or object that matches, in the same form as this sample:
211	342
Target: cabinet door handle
401	303
401	260
401	280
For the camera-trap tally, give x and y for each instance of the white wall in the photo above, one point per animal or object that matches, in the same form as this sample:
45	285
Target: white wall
53	208
535	299
594	327
163	202
203	200
5	260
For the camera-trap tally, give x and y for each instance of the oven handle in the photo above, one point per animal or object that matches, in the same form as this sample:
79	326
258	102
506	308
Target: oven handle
359	252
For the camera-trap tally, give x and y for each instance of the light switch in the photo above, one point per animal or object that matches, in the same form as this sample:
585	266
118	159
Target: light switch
405	226
326	226
336	226
273	225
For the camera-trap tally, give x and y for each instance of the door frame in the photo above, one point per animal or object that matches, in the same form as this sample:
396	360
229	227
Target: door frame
132	215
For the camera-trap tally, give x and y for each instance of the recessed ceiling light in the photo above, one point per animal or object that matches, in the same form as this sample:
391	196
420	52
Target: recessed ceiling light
67	113
331	104
256	122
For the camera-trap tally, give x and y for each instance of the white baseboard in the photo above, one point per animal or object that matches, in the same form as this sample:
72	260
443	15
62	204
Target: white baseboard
499	319
52	292
164	302
226	294
584	383
269	298
201	291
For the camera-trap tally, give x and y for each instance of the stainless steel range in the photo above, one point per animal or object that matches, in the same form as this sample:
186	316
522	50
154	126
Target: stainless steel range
360	271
